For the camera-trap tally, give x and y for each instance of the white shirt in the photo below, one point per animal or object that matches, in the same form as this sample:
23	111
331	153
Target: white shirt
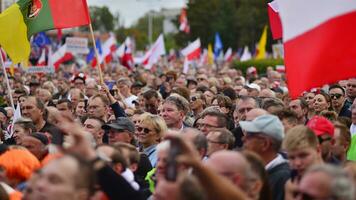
129	100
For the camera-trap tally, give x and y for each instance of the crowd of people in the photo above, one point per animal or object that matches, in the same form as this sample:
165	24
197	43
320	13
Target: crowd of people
165	135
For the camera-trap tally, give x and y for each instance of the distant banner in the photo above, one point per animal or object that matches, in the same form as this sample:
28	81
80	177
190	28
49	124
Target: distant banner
40	69
77	45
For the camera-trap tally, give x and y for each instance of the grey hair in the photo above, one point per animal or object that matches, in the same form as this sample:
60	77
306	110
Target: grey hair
342	187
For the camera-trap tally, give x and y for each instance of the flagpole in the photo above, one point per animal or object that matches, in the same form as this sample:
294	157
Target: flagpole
96	54
7	82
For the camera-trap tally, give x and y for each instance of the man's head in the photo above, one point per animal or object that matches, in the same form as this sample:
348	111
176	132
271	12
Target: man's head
253	89
33	108
219	139
91	89
65	107
288	118
98	106
326	182
300	107
37	144
337	95
93	125
232	165
120	130
324	130
351	88
174	110
43	94
244	105
79	81
263	135
152	101
65	178
212	119
124	85
272	105
342	138
302	147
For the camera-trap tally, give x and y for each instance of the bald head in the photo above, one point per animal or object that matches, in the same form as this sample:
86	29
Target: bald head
232	165
252	114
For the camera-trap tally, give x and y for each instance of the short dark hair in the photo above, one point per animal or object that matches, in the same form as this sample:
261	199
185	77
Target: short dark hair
230	92
221	117
149	94
67	101
180	102
103	98
225	137
269	102
287	114
337	86
101	121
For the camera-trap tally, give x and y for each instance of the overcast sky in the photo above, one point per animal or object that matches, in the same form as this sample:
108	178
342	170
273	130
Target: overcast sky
131	10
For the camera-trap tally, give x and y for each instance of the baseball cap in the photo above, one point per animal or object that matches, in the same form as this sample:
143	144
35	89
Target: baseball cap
320	125
254	86
269	125
121	123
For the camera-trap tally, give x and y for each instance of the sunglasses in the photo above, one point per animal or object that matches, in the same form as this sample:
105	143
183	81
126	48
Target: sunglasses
336	96
145	130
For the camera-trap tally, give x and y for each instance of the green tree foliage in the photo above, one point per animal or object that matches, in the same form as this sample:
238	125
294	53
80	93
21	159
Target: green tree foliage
102	19
239	22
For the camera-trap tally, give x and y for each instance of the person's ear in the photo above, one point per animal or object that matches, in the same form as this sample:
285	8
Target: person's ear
256	187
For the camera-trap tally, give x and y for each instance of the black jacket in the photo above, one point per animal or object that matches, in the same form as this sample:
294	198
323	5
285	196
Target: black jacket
277	177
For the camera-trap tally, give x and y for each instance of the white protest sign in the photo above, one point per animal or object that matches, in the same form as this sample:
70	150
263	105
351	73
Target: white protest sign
40	69
77	45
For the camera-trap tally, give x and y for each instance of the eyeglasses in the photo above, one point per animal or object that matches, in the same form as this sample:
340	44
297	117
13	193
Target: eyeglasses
145	130
337	96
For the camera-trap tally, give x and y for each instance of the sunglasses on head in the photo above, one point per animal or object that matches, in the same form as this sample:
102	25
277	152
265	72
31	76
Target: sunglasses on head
145	130
337	96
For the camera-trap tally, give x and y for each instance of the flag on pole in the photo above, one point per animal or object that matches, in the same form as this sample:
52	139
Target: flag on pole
42	60
153	55
183	20
274	20
192	51
210	55
27	17
319	44
218	46
246	55
60	56
41	40
228	55
126	57
261	48
108	48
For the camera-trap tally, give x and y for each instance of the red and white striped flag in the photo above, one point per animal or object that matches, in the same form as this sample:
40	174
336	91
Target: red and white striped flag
60	56
126	57
153	55
228	55
183	20
319	42
275	20
192	51
42	60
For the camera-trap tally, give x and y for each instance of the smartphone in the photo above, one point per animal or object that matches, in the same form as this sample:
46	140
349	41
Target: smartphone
171	167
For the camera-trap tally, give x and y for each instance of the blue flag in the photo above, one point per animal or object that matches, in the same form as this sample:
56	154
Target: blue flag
218	46
41	40
91	54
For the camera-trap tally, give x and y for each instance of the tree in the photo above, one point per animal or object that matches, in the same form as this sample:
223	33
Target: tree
102	19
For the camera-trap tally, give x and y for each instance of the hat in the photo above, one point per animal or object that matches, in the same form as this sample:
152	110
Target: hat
121	123
320	125
254	86
266	124
3	111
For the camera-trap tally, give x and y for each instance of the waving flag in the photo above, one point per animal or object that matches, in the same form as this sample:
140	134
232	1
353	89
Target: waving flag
154	54
126	56
246	55
261	48
60	56
27	17
228	55
274	20
192	51
218	46
210	55
42	60
319	44
41	40
183	20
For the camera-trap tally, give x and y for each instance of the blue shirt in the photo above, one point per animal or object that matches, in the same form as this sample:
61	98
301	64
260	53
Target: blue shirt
151	154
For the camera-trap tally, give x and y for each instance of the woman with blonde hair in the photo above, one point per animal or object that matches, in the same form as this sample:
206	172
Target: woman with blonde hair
150	131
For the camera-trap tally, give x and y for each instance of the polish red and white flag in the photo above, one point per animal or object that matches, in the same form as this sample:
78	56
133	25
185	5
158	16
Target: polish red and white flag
192	51
42	60
183	20
319	42
274	20
153	55
228	55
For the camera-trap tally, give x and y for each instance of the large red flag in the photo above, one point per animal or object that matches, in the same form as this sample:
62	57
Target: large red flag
319	42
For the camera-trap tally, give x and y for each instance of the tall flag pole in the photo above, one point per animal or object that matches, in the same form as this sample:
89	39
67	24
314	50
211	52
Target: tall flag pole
7	82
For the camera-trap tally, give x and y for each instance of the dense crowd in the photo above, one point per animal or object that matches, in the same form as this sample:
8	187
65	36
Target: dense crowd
161	134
